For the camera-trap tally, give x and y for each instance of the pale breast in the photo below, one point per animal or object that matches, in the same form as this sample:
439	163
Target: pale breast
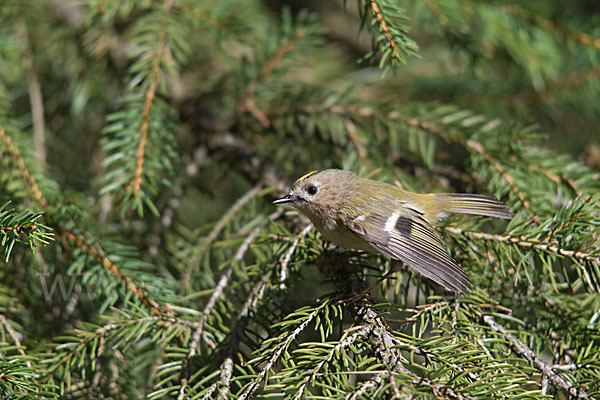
342	236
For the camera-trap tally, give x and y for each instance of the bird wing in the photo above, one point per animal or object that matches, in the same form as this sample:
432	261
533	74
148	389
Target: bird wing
406	236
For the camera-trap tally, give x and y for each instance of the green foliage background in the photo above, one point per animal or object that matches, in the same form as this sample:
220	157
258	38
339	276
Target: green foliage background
142	141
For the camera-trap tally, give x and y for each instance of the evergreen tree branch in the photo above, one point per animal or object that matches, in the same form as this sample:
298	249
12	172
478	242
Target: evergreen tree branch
281	348
212	301
390	39
15	337
256	295
97	253
248	102
200	251
16	155
288	255
13	226
153	80
521	241
582	38
521	348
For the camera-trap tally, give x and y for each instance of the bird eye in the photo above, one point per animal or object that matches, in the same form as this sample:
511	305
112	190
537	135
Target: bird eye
312	190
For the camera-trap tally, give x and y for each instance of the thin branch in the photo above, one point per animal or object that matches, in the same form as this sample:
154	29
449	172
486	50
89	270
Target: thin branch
150	93
16	155
474	145
248	101
97	253
35	95
353	134
15	337
524	242
288	255
582	38
362	332
210	304
384	28
281	347
199	251
555	378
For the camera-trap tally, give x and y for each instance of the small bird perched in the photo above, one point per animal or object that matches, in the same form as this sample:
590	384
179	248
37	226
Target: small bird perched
368	215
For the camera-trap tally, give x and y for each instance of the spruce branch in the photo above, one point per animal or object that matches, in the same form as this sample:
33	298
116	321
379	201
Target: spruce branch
390	36
200	251
281	347
521	348
98	254
21	227
212	301
16	155
525	242
15	337
582	38
288	255
153	81
248	101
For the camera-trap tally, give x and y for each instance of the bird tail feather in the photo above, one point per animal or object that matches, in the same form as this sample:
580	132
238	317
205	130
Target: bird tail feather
477	204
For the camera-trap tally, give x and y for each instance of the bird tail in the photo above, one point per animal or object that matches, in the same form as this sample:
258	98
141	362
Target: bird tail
477	204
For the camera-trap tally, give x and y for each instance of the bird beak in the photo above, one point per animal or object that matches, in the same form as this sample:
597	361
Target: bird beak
284	200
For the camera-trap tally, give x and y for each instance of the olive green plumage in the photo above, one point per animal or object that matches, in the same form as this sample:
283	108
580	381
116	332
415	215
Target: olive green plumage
369	215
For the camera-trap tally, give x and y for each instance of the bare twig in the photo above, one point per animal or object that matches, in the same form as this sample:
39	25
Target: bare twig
288	256
35	95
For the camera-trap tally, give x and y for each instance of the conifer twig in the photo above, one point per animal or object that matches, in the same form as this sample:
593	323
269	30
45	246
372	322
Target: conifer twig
525	242
218	291
15	337
150	93
555	378
384	28
16	155
288	255
248	102
582	38
212	235
281	347
97	253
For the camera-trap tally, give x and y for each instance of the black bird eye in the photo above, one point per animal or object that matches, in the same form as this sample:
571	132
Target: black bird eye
312	190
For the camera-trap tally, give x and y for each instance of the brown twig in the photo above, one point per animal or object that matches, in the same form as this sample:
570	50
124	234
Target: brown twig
97	253
353	134
16	155
150	93
248	101
384	28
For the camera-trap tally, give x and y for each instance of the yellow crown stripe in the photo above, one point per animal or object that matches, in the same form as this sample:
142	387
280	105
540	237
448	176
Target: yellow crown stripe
306	176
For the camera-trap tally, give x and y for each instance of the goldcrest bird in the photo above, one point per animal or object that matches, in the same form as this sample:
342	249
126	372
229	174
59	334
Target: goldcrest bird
373	216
